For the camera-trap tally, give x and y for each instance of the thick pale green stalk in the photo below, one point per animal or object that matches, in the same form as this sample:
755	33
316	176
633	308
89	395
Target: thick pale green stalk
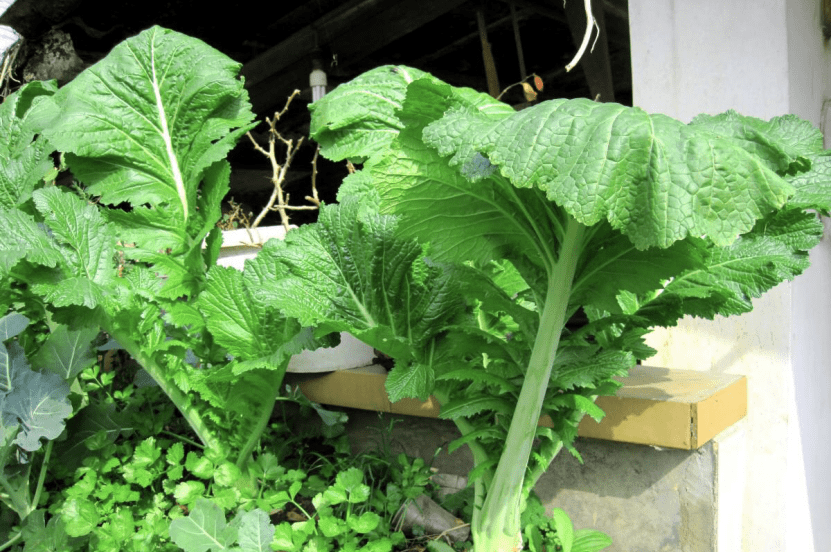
179	399
498	529
257	429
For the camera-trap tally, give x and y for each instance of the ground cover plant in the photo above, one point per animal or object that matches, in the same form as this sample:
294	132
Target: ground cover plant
511	262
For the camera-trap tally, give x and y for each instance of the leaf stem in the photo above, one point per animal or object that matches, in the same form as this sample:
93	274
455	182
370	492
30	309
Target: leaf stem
41	477
498	529
179	399
260	423
11	541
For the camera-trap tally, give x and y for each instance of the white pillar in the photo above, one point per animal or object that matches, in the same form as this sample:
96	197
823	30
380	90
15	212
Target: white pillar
762	58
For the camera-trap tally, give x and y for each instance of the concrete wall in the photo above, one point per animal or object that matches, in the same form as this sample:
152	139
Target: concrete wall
647	499
762	58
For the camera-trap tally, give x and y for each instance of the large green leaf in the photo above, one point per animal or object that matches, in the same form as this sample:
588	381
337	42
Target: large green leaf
730	277
359	118
145	122
253	332
652	177
203	529
354	274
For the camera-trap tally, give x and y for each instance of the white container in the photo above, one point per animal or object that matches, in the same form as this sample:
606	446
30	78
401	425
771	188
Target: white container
239	245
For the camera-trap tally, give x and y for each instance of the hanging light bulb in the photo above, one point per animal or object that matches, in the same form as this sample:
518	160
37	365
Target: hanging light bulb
317	80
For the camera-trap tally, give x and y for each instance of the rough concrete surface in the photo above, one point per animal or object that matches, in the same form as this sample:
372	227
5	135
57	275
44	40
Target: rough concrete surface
647	500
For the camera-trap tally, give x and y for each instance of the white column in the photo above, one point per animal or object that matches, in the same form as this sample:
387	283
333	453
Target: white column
762	58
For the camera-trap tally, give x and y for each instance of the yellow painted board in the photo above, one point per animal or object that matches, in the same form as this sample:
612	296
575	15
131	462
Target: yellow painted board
656	406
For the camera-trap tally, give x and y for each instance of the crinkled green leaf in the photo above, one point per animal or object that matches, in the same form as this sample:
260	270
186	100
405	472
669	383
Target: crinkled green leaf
577	402
813	188
237	323
465	407
480	376
776	250
654	178
88	247
22	237
354	275
253	332
411	380
144	123
359	118
785	143
586	366
24	159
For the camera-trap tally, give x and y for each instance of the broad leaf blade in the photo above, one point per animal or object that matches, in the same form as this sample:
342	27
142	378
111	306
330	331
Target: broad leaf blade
249	330
167	103
652	177
352	274
40	402
12	324
255	532
203	529
359	117
88	247
66	352
776	250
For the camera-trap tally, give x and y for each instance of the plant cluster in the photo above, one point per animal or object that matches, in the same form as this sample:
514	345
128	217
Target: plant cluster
509	262
512	262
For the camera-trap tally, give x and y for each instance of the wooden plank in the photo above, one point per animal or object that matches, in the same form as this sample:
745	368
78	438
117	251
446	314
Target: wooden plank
680	409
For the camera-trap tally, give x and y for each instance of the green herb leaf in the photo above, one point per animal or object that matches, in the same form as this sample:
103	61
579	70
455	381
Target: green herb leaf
80	516
364	523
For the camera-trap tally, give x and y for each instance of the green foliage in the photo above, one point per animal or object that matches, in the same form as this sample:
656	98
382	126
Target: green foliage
567	230
143	133
128	252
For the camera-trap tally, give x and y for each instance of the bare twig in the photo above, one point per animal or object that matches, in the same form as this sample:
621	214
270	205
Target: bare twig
279	200
314	198
591	22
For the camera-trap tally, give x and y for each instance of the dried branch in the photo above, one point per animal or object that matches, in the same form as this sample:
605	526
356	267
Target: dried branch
279	200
